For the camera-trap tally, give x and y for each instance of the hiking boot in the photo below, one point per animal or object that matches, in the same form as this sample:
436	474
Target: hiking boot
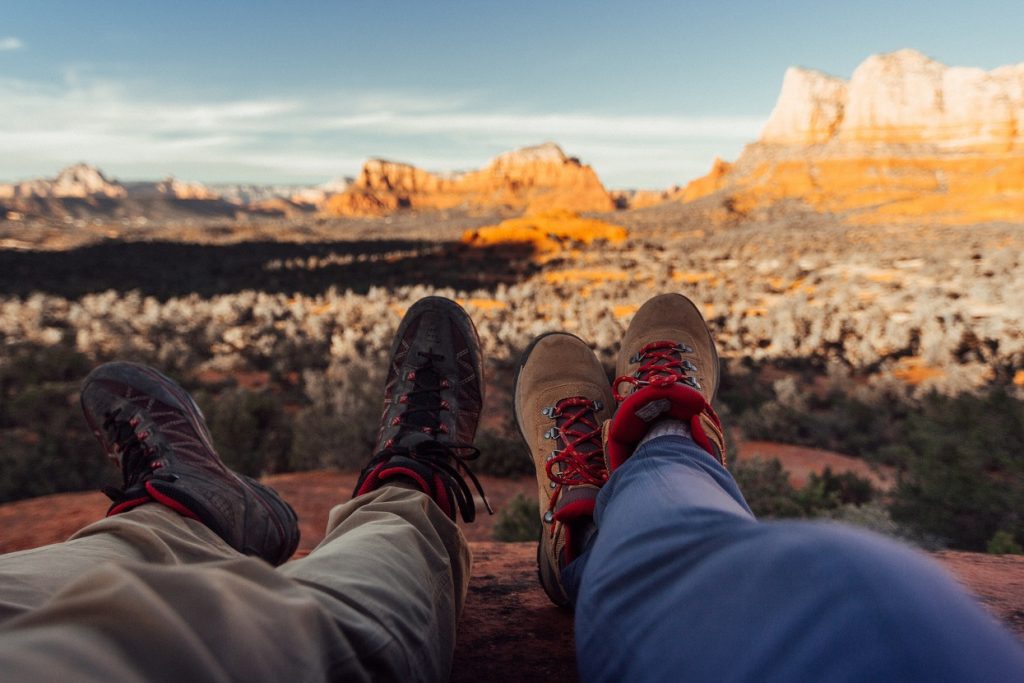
561	398
667	369
153	430
432	400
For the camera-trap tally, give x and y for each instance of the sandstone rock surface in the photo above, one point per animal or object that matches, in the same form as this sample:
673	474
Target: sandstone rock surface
533	179
902	97
906	139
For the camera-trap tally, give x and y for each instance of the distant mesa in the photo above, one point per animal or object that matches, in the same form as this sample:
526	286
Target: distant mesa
83	191
79	181
531	179
905	139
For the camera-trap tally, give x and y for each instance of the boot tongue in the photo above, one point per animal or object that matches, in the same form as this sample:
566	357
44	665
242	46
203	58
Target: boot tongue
424	399
413	439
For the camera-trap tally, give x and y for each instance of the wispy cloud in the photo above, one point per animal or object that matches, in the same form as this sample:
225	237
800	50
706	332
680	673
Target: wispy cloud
111	124
8	43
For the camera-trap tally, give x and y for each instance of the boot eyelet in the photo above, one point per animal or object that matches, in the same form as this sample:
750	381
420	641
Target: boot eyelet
549	517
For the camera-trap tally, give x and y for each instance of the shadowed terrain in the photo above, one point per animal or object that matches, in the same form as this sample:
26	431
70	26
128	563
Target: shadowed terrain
170	269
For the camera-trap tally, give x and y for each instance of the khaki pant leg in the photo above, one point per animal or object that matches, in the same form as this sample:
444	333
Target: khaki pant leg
149	533
377	600
233	620
394	570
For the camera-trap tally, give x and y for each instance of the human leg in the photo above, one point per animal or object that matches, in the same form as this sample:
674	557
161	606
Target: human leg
151	534
394	567
378	599
178	504
680	582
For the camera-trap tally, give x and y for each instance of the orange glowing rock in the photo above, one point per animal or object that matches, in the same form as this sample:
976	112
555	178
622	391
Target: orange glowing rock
534	179
906	140
548	232
624	310
483	304
585	275
915	370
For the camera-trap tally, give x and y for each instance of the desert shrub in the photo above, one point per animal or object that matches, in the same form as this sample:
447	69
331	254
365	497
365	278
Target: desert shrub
1003	543
339	426
875	516
57	456
828	490
45	444
963	474
765	486
518	521
501	456
249	430
836	421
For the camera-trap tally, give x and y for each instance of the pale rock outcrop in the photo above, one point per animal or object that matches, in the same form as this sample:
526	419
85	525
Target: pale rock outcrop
79	181
907	139
809	109
902	97
178	189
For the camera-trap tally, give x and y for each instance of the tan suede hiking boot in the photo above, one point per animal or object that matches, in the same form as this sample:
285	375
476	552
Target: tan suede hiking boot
667	368
561	399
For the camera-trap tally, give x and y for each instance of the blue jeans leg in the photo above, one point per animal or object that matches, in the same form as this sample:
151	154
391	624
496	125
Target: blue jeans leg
682	583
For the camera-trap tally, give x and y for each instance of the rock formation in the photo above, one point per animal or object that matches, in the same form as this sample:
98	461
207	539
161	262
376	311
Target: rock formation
83	191
907	138
533	179
80	181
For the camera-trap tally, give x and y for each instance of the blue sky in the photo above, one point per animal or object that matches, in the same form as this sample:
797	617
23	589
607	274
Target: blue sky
646	92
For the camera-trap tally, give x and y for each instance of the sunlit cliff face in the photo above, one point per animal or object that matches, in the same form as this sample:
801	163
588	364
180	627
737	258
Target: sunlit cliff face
906	138
533	179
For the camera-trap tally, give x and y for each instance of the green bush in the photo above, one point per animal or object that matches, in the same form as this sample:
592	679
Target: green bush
963	474
249	430
1003	543
518	521
501	456
57	456
766	488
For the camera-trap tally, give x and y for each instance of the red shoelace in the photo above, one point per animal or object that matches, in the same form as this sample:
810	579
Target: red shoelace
581	457
662	364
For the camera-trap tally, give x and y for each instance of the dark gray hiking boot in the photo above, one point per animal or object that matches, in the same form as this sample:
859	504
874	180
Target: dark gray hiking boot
432	400
153	430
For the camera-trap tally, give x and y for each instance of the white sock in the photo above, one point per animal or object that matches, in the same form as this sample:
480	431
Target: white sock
666	428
